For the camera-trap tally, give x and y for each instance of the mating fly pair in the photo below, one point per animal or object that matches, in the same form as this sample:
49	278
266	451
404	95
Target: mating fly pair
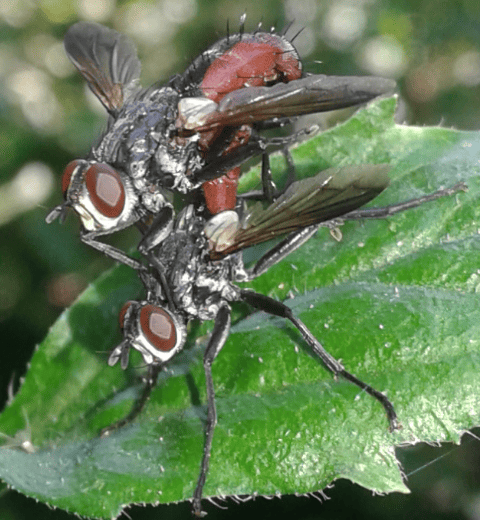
190	137
191	278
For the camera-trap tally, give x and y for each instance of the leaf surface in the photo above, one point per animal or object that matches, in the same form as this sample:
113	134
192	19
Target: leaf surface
395	300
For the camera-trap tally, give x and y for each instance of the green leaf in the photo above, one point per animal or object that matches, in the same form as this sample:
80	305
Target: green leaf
395	299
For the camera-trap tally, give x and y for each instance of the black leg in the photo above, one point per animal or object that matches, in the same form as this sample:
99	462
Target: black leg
270	192
281	250
294	240
387	211
256	146
159	274
158	230
218	338
291	175
222	165
268	185
111	252
150	383
277	308
154	234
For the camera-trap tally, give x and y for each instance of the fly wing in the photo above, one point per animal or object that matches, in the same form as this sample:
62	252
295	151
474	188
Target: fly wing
106	59
330	194
303	96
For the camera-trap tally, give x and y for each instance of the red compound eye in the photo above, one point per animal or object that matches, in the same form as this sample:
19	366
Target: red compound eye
158	327
123	311
106	189
67	175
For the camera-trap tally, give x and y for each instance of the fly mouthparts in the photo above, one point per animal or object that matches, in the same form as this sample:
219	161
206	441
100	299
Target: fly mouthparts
59	211
120	352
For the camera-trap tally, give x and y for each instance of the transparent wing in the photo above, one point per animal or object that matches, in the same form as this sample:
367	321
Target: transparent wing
330	194
303	96
106	59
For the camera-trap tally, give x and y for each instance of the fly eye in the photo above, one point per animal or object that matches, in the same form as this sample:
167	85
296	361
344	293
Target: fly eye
158	327
106	189
67	174
123	311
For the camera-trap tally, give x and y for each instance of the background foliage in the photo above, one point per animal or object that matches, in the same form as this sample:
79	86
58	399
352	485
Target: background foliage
47	119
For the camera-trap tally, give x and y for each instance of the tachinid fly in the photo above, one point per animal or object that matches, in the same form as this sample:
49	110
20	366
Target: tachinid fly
194	272
191	135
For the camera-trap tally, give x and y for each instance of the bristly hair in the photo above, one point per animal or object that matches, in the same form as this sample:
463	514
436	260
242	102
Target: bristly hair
286	27
259	26
241	29
298	33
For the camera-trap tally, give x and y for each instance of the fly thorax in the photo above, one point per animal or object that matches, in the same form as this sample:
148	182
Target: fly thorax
139	156
152	199
237	268
175	164
111	147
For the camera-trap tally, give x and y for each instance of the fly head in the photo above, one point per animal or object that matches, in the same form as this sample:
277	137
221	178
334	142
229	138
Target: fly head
102	196
151	329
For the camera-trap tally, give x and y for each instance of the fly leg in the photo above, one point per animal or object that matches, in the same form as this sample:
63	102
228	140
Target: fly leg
277	308
387	211
255	147
291	176
268	185
270	192
221	165
281	250
110	251
294	240
150	383
215	344
154	234
157	231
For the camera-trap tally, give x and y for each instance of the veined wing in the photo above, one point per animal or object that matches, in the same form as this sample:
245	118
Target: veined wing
330	194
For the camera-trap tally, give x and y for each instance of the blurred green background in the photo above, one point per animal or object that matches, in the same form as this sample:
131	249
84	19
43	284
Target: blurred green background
48	117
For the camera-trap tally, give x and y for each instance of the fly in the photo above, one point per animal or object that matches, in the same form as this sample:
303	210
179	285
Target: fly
194	273
189	136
